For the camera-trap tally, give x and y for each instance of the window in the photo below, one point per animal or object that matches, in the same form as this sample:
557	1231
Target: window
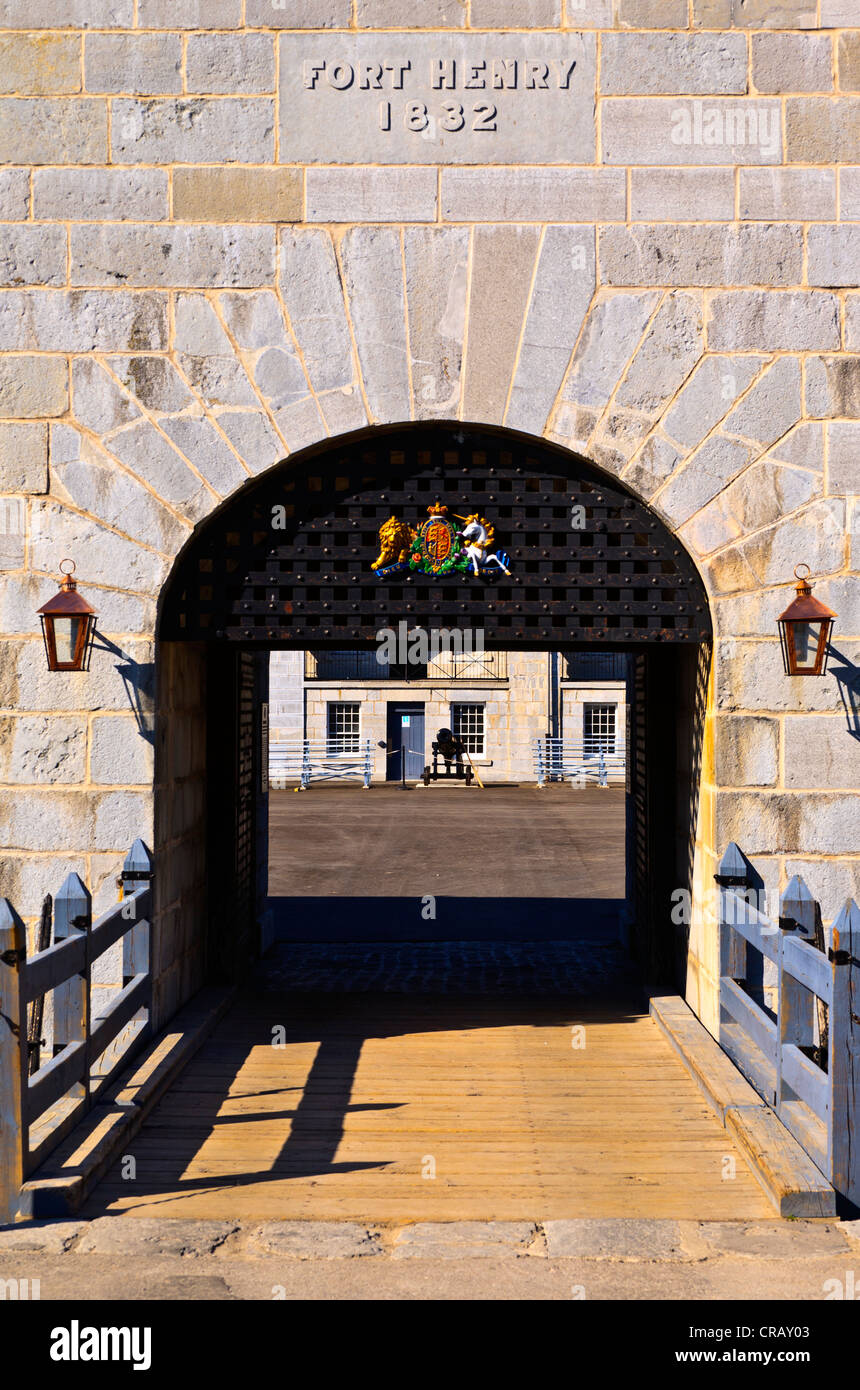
343	666
599	728
467	722
596	666
344	728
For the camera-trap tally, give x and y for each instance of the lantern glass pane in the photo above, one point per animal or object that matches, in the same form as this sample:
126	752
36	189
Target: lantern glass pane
805	643
66	639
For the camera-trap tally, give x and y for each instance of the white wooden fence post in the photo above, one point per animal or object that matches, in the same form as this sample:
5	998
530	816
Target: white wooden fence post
796	1006
732	874
73	914
14	1133
844	1054
136	873
799	912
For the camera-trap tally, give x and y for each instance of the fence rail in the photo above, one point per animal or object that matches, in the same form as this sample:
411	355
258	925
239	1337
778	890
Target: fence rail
322	761
38	1108
559	760
801	1050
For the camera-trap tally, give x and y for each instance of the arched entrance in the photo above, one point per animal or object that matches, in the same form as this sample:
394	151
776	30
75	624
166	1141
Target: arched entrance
286	563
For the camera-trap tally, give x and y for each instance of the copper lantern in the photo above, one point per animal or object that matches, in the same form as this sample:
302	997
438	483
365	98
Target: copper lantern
804	630
68	626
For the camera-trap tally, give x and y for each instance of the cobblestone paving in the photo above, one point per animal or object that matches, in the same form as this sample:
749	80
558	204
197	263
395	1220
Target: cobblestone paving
448	967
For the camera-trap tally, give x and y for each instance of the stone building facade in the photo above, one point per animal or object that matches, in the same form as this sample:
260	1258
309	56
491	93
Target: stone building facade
500	703
235	228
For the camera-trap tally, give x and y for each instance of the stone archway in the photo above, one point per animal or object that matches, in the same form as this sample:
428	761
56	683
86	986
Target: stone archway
287	563
179	399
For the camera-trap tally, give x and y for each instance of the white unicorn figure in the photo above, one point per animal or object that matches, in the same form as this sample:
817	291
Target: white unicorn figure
479	540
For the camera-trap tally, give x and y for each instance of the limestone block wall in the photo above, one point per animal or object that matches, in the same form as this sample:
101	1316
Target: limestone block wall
286	697
649	256
575	698
436	699
528	674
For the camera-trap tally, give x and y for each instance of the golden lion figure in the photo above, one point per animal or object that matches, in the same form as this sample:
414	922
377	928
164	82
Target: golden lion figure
395	538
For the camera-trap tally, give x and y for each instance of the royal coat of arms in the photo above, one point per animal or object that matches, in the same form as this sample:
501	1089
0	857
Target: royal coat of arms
437	546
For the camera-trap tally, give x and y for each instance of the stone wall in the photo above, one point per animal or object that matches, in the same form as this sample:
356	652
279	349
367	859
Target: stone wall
574	698
436	698
196	285
286	697
516	710
178	943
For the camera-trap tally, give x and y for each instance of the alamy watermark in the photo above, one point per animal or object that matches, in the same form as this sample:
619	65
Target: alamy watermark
20	1290
732	907
77	1343
417	647
729	125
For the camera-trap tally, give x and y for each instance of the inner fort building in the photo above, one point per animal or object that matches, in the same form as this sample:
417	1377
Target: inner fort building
500	703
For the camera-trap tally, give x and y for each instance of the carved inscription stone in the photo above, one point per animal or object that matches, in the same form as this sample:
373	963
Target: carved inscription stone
513	98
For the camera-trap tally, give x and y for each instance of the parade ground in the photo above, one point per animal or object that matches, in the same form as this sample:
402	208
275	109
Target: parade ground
502	842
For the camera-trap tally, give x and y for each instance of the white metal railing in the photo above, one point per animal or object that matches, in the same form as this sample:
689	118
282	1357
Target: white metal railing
587	759
321	760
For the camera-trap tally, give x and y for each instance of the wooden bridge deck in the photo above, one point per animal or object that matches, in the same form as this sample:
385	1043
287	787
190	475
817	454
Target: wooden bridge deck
373	1093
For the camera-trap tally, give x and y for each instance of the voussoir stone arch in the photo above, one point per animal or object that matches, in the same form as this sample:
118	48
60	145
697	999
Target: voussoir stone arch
693	397
499	324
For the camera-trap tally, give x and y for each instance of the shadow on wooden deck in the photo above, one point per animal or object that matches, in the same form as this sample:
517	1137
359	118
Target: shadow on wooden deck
396	1106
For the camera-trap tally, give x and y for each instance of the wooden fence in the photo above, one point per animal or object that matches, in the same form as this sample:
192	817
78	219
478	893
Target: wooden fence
38	1108
797	1043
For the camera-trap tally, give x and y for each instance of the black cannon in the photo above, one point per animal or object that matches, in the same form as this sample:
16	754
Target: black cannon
450	748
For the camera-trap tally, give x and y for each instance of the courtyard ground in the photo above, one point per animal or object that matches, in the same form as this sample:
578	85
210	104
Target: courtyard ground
351	865
503	842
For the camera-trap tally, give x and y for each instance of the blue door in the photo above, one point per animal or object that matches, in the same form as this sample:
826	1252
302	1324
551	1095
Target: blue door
405	740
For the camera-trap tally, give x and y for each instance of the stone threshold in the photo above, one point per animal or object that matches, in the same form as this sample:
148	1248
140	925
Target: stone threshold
622	1239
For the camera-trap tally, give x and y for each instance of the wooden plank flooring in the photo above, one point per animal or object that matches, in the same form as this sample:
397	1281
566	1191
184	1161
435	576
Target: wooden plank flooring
374	1093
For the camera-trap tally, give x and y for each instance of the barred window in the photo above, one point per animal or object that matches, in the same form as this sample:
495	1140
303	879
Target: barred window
344	666
599	728
467	722
344	727
596	666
